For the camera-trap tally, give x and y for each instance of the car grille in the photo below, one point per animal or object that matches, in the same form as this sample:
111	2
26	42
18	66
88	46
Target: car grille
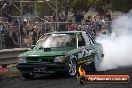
40	59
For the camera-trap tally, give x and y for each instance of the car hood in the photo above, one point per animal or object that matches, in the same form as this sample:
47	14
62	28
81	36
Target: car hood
53	52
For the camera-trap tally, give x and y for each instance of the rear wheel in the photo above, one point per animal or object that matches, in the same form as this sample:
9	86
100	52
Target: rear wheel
28	75
72	68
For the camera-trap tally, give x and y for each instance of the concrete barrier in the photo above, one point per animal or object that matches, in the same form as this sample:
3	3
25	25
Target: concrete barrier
9	56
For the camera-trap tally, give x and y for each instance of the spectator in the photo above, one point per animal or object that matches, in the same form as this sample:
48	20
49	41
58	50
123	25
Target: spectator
5	11
109	19
25	30
62	26
2	28
108	15
89	27
97	25
79	17
61	17
34	37
14	36
8	40
94	18
80	28
89	19
71	26
54	17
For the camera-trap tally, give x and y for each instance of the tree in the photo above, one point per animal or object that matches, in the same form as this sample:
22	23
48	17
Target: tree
121	5
70	5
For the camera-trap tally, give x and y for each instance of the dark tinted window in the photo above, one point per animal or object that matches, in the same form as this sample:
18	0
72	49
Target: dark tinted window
81	41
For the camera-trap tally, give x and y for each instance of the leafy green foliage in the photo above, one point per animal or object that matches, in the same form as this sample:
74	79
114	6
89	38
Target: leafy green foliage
68	5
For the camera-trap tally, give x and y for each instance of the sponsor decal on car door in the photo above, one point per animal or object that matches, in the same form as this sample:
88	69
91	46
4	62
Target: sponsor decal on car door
84	53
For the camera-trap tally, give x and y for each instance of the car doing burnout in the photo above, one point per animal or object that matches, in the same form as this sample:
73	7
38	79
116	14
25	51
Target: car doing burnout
60	52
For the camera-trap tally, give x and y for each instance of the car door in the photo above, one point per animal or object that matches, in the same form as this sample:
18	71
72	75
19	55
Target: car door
84	49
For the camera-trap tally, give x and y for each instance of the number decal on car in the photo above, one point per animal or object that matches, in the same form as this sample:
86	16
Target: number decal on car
84	53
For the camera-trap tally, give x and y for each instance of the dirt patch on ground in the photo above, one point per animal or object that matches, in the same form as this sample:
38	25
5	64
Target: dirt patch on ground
9	72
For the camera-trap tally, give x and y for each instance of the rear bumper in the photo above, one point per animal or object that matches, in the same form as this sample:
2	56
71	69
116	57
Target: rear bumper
49	68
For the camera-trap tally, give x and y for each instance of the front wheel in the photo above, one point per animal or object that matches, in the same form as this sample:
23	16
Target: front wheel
72	68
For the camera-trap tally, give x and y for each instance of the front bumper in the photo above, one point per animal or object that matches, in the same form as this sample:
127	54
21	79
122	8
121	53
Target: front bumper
49	68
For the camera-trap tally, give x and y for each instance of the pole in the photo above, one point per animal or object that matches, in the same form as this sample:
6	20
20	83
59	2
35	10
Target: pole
21	12
66	9
56	10
56	15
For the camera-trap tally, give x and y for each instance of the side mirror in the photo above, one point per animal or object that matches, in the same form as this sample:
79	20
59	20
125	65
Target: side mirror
32	46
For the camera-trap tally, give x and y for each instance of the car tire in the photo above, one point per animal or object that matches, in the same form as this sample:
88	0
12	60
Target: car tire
72	68
28	75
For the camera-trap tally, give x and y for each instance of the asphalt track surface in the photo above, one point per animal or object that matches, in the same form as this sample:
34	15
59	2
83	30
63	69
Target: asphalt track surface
61	81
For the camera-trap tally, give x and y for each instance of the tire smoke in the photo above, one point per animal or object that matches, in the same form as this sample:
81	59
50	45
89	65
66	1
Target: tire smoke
117	47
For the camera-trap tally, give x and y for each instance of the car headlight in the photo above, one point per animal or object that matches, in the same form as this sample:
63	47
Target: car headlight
22	60
60	59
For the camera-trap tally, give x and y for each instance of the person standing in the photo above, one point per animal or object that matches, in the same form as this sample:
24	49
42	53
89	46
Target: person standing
34	36
108	17
71	26
8	38
89	26
79	17
5	10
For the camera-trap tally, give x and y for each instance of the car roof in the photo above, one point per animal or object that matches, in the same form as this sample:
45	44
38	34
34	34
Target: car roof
67	32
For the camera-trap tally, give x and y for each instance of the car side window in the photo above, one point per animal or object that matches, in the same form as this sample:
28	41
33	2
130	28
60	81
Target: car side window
81	41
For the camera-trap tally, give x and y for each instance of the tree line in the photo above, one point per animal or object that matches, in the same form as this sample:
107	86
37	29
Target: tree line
43	8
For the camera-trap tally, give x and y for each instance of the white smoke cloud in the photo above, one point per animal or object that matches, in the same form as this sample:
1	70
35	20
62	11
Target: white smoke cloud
118	46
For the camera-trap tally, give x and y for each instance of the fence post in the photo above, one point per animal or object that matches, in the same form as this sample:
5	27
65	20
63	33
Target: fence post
20	39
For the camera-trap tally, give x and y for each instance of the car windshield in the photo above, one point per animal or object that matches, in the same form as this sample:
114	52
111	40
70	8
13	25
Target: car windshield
57	41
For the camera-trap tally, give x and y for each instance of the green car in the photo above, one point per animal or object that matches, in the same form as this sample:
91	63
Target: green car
60	52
